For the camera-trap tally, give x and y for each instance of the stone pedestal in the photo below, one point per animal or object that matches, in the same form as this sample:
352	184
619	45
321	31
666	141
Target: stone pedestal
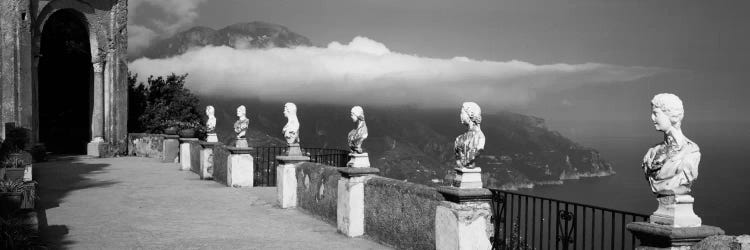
185	153
654	236
467	178
286	179
359	160
207	160
241	143
463	221
211	137
95	147
675	211
293	149
350	206
240	167
171	149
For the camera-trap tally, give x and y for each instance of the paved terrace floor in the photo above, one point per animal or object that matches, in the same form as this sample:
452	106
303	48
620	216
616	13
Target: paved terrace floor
139	203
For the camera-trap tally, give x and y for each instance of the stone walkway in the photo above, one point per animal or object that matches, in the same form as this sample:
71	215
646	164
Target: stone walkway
139	203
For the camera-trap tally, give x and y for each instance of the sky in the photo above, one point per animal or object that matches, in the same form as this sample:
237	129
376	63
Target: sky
566	61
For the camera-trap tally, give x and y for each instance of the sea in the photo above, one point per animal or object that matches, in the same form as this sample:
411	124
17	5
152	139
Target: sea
721	192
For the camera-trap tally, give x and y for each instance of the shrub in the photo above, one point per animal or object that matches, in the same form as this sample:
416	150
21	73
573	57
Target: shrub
160	103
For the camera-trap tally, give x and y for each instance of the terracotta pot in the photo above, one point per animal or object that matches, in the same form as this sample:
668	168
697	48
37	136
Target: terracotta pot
14	173
187	133
170	131
10	202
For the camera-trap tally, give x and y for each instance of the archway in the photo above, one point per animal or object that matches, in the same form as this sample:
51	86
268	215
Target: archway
65	83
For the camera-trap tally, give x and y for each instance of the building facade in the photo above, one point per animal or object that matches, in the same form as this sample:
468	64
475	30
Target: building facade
63	74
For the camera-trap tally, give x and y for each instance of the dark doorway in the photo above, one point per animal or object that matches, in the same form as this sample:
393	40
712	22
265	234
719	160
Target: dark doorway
65	84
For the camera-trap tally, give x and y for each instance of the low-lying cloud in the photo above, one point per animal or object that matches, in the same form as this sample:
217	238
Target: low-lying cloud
176	14
366	72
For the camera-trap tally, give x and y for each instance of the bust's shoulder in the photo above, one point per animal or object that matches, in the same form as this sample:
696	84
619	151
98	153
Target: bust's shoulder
691	147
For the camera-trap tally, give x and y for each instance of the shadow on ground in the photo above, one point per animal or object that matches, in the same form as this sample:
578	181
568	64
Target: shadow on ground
57	178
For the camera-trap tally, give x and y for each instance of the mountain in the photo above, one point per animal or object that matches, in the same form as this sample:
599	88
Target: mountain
417	145
240	35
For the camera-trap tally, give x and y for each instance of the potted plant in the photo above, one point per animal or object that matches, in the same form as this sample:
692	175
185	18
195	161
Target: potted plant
12	193
16	168
16	233
189	129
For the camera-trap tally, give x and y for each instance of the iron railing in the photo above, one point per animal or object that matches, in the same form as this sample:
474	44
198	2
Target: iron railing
531	222
264	160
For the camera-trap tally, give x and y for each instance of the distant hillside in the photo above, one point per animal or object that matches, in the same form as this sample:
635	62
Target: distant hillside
241	35
416	145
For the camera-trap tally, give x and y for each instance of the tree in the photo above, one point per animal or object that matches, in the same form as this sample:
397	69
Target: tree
160	103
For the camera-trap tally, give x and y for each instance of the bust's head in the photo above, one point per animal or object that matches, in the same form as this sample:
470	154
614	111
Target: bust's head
666	111
241	111
471	113
357	114
290	109
210	110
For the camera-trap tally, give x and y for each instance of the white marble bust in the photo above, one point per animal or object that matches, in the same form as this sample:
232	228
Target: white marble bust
211	122
469	145
240	126
291	129
359	133
672	165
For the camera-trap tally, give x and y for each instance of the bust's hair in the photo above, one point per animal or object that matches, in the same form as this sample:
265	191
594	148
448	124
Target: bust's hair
242	107
671	105
359	112
472	109
291	107
209	107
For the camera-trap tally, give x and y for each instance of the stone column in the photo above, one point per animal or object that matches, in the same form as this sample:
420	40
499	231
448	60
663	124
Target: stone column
350	206
240	172
464	221
185	153
170	149
286	179
97	115
207	160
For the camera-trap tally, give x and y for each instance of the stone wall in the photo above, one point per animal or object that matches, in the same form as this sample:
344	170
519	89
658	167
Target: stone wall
724	242
221	153
145	145
401	214
195	156
317	190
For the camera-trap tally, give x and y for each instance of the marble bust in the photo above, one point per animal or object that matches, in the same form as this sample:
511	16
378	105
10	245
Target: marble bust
359	133
211	122
240	126
469	145
291	129
671	166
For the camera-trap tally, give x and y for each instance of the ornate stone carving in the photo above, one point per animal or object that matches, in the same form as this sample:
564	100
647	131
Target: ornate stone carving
211	122
291	129
469	145
359	133
672	165
211	125
240	126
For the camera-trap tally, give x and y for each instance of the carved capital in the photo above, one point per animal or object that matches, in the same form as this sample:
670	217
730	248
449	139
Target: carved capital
98	66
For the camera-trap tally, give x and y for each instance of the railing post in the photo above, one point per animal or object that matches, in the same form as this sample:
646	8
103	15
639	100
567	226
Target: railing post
207	160
240	167
673	225
463	220
286	176
350	206
170	149
185	153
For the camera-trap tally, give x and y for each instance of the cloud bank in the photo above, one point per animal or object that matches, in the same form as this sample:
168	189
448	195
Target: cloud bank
175	14
366	72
